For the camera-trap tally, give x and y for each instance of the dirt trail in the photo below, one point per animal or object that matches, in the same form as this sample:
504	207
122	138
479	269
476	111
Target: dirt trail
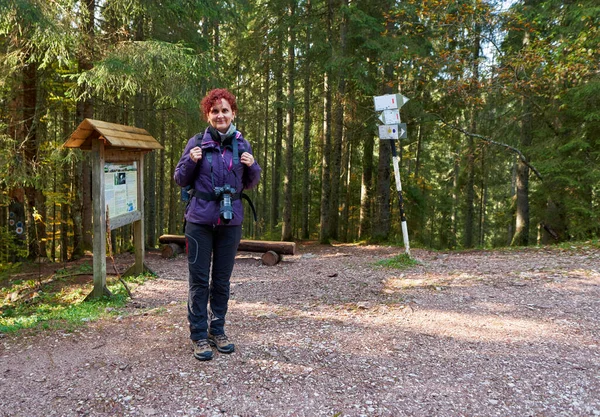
327	333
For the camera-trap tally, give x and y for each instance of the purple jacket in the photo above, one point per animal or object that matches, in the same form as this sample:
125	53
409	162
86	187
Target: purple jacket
224	171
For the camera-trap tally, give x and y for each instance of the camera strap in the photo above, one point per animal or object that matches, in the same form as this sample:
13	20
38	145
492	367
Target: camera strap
213	197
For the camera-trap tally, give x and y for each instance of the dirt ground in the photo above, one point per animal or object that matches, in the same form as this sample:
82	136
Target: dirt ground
328	333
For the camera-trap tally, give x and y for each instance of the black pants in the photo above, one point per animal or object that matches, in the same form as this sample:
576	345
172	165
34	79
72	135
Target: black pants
203	243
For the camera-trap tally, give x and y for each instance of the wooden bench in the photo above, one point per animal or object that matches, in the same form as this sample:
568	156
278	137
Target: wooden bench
272	252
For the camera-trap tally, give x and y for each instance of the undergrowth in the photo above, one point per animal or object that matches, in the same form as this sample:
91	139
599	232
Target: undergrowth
58	302
401	261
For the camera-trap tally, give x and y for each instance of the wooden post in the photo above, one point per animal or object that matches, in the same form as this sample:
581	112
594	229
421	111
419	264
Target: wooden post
138	226
99	210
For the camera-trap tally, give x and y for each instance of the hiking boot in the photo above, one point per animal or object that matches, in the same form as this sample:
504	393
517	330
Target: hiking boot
221	342
202	350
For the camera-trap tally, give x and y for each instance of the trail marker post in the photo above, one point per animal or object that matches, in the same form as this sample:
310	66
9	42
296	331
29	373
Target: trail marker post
389	105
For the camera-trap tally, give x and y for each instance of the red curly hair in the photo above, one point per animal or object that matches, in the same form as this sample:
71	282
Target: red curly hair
215	96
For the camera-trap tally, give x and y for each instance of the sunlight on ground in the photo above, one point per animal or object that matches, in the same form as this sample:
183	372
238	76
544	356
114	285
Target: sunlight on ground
493	327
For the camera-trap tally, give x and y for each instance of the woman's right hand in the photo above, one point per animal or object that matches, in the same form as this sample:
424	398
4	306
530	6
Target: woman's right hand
196	154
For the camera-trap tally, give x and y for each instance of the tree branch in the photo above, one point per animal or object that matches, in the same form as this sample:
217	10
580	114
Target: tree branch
493	142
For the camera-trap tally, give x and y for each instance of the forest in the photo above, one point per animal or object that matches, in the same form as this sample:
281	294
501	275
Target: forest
503	116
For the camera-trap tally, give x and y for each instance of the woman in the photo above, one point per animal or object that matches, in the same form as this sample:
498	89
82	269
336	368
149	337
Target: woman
218	165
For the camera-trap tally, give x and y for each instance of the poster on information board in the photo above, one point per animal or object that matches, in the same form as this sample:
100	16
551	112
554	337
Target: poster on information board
120	188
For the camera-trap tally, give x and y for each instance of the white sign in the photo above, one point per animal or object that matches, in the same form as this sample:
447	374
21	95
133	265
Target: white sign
393	131
388	132
120	188
389	101
390	117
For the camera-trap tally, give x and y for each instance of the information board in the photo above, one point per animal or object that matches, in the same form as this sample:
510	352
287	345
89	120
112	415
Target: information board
120	188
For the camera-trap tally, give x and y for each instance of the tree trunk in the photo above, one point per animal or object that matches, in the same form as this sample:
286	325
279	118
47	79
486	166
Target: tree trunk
160	212
483	200
276	169
173	189
326	173
510	232
336	150
521	237
366	186
306	136
345	214
470	186
555	223
85	109
325	176
67	176
455	193
265	163
286	231
470	190
33	197
151	196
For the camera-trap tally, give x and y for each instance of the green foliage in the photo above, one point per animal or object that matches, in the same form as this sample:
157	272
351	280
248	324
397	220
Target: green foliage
40	29
402	261
58	304
11	244
14	171
169	72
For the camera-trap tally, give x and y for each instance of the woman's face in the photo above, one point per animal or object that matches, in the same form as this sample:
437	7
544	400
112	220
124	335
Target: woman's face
220	116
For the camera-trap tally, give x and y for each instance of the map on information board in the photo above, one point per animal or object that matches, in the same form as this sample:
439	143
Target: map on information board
120	188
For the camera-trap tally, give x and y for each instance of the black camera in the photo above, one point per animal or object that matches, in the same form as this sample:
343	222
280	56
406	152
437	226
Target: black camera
225	193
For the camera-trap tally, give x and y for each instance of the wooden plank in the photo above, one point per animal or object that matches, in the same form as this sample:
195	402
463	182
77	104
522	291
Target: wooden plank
123	219
120	136
282	248
81	136
130	140
117	155
101	124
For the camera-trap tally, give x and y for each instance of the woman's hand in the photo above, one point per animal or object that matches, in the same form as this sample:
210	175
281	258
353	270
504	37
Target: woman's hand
196	154
247	159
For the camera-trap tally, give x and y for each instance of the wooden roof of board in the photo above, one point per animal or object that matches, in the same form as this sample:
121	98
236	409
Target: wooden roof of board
114	136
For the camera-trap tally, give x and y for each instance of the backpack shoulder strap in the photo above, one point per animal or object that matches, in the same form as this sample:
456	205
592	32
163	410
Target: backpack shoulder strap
234	150
247	198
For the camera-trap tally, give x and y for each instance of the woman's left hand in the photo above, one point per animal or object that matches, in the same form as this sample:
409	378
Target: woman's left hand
247	159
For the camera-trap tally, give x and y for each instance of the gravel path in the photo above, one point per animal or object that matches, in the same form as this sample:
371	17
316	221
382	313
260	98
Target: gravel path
327	333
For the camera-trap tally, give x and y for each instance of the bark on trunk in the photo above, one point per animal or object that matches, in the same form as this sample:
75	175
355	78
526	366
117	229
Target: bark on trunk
85	109
521	237
336	151
33	197
286	231
325	176
276	169
265	165
306	136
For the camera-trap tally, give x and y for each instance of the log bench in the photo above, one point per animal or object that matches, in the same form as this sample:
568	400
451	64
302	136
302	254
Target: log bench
271	251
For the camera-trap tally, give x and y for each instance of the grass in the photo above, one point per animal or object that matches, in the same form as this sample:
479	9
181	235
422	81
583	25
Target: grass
57	302
401	261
